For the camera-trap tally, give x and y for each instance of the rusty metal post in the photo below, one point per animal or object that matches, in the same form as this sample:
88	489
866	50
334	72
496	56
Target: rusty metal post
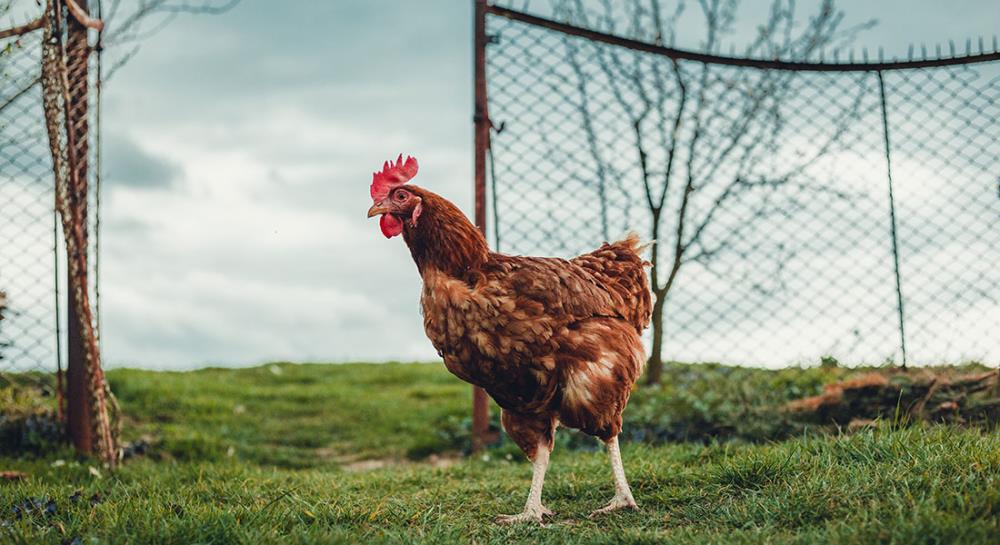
78	407
480	402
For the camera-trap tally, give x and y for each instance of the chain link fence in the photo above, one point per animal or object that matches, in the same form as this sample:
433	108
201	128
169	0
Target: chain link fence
846	208
49	213
32	249
28	229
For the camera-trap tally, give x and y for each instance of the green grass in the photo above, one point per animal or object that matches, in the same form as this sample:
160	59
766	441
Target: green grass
270	472
295	416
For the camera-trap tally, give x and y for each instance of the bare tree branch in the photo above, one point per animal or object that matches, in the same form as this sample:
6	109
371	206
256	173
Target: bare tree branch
591	135
83	17
129	28
21	30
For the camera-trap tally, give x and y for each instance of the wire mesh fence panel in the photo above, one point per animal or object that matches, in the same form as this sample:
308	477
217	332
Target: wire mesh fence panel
27	229
47	153
32	249
945	137
767	192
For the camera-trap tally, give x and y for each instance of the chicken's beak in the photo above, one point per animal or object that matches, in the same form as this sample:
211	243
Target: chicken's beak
378	208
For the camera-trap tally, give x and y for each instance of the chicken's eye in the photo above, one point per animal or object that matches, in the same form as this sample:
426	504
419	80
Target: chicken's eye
400	196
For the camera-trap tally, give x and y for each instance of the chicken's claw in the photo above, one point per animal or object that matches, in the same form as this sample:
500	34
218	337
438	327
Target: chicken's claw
618	502
528	515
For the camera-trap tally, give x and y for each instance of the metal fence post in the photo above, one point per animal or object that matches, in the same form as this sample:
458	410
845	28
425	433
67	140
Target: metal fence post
78	408
480	402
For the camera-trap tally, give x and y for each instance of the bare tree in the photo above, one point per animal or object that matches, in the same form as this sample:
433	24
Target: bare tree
696	132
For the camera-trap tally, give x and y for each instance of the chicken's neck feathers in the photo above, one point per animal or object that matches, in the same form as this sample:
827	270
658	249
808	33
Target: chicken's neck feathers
444	239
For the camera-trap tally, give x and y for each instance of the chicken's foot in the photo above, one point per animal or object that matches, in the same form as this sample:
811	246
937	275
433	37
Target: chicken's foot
533	508
623	494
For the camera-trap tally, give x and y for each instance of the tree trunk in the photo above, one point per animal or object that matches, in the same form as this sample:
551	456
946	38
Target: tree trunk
655	366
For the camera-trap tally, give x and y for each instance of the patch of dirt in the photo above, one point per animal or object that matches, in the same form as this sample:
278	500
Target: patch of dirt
858	402
434	460
325	453
12	475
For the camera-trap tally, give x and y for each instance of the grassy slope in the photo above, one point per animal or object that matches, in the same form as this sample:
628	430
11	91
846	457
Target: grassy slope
912	485
294	416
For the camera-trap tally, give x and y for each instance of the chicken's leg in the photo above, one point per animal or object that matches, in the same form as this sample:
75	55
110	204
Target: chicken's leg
533	508
623	494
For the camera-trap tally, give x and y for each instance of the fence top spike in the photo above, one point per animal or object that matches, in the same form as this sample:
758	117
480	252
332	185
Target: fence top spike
968	46
909	53
864	53
995	48
937	48
880	54
951	47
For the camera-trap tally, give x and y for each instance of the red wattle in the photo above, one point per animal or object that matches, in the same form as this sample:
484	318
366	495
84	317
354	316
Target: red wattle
391	225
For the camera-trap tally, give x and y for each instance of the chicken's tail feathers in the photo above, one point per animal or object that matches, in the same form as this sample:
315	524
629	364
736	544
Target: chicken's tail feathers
620	267
634	243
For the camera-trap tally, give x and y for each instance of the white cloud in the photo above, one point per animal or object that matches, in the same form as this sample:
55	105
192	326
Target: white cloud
235	266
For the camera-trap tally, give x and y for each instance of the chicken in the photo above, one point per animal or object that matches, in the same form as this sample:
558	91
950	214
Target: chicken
553	341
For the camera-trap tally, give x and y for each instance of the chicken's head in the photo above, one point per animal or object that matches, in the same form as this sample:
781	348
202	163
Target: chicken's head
394	202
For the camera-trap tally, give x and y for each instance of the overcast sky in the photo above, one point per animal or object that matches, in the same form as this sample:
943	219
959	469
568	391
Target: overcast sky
238	153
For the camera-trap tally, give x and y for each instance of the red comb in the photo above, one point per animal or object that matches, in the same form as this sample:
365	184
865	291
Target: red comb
392	175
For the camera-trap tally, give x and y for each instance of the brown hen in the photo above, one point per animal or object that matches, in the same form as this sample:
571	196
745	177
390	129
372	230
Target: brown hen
553	341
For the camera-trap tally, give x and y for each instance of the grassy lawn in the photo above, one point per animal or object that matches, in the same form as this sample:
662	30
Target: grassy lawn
259	455
296	416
